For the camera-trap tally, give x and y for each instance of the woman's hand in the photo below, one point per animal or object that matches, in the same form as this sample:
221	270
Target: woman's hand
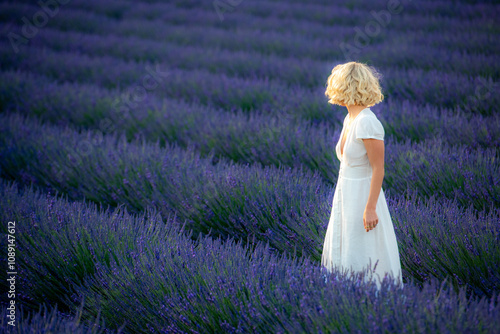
370	219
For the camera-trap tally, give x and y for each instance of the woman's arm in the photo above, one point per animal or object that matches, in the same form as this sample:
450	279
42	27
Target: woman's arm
375	151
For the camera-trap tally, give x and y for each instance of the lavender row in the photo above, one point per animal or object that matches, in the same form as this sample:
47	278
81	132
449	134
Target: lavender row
146	274
433	168
449	90
304	72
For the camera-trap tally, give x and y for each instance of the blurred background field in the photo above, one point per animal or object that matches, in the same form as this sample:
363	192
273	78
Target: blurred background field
170	165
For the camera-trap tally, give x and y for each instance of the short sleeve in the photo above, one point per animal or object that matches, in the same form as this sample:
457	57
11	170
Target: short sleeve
369	127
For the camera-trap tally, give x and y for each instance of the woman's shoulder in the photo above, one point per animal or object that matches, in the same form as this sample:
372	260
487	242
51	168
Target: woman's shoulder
368	117
369	113
369	126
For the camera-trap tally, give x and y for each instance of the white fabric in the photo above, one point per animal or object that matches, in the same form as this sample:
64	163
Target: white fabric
347	245
369	127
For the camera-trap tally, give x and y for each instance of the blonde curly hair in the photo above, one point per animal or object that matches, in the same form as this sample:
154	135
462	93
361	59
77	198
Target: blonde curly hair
354	83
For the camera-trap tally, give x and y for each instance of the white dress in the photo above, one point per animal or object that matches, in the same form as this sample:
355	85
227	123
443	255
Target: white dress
347	244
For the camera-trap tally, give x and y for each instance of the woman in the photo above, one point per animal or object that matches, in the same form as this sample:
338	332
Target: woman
360	233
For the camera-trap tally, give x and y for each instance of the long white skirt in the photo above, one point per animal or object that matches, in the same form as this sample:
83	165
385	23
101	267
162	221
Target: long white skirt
347	245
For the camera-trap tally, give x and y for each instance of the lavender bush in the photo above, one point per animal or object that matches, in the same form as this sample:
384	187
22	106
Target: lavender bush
123	265
440	239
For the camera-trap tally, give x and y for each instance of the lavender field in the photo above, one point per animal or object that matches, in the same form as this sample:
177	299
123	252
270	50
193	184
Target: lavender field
170	165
